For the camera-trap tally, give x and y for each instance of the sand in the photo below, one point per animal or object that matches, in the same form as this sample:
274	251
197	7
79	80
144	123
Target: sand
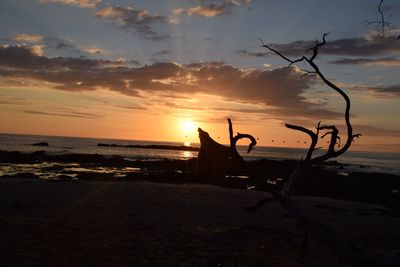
139	223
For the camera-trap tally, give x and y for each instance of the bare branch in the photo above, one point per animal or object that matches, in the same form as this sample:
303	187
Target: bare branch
355	136
334	137
383	22
307	72
317	46
230	130
345	249
248	136
313	136
235	139
383	25
310	60
291	62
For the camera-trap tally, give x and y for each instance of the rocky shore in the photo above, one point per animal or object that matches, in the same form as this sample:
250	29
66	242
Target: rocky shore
323	180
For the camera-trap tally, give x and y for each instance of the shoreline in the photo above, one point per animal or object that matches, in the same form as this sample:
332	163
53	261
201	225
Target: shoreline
161	147
323	180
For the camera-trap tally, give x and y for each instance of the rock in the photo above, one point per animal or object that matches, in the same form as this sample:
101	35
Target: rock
41	144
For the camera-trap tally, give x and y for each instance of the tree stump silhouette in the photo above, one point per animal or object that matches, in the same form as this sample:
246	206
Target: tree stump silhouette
215	160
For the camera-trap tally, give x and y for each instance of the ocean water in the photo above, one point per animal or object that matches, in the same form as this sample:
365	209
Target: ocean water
356	160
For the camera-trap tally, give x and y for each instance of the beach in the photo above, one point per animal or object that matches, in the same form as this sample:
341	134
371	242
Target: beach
139	223
216	133
109	210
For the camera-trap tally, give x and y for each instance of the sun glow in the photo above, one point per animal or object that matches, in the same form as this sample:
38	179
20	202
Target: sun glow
187	126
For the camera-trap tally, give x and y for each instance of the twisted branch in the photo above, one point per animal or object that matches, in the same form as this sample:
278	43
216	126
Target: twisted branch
347	251
330	153
235	139
383	25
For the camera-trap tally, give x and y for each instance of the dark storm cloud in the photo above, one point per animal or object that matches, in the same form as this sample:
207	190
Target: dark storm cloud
280	90
141	21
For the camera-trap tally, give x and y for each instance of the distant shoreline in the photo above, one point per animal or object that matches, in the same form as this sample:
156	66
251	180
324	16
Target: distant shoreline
163	147
112	140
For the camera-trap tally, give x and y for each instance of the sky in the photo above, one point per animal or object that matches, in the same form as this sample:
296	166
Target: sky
158	70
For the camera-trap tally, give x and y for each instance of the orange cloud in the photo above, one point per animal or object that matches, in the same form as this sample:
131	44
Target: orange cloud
206	11
81	3
94	50
211	8
37	50
280	89
30	38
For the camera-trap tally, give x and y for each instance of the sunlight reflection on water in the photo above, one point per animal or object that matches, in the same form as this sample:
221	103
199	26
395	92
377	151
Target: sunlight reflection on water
56	171
187	154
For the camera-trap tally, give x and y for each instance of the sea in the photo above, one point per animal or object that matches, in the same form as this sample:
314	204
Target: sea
353	161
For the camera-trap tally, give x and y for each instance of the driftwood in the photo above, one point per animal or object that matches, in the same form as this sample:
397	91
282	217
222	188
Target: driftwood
215	160
347	251
214	155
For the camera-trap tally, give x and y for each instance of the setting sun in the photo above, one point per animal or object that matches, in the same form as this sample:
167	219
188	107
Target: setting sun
187	126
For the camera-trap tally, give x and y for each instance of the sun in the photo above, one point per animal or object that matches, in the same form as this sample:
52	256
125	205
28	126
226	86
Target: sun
187	126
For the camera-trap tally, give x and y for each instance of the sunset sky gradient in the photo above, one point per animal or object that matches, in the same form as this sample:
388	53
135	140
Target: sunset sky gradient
157	70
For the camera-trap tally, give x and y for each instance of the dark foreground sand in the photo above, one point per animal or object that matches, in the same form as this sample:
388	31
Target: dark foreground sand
152	224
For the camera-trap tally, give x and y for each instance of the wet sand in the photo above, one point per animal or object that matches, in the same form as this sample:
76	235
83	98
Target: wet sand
139	223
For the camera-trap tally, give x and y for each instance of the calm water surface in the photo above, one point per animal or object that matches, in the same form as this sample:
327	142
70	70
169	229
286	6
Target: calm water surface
359	161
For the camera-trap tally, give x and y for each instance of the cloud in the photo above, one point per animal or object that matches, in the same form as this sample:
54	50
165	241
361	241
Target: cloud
161	53
180	106
388	61
211	8
52	45
62	45
280	90
140	21
80	3
94	50
7	100
367	130
29	38
380	91
23	58
134	107
362	46
72	114
37	50
205	11
245	52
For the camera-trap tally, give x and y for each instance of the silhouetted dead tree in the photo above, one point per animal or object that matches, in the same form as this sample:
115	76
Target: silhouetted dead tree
331	129
347	251
383	25
215	160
